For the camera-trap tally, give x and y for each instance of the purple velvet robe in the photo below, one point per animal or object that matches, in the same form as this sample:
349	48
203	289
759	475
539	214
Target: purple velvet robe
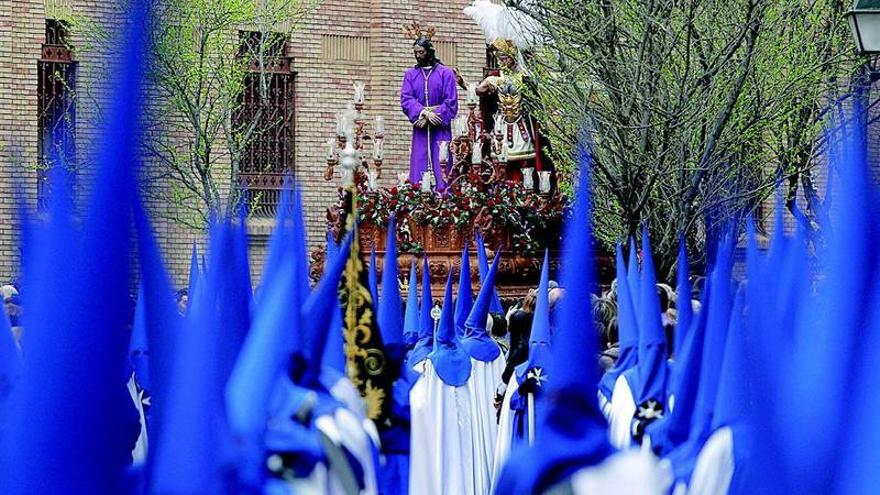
442	94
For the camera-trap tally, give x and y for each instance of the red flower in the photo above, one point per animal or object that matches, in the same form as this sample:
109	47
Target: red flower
492	203
393	203
394	191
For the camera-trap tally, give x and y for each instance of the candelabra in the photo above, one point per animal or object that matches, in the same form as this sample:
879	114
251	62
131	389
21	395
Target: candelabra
349	148
466	149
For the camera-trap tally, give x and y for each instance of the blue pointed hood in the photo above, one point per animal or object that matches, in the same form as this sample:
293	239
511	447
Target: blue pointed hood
194	272
300	244
840	314
426	324
318	313
390	311
260	363
632	275
477	340
718	314
540	336
411	319
464	302
652	364
233	291
733	400
541	322
720	301
138	348
494	303
672	430
279	241
273	336
683	304
373	278
161	320
198	386
334	352
571	431
242	260
627	330
451	362
75	347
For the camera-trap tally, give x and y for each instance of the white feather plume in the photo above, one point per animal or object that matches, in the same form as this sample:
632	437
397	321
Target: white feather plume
487	15
499	21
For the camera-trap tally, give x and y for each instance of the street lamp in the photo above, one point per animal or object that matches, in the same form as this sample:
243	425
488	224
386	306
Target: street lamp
864	23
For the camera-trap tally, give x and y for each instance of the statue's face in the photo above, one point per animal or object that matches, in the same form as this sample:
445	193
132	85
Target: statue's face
421	55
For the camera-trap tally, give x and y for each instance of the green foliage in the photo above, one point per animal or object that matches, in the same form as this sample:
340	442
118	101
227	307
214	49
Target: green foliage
694	107
198	66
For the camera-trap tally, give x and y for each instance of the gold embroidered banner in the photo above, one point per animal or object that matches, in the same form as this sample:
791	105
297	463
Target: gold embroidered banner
367	363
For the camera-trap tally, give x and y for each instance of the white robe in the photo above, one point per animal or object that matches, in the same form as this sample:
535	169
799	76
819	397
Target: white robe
359	442
344	391
713	470
604	406
139	454
504	440
481	386
623	408
345	427
441	438
630	472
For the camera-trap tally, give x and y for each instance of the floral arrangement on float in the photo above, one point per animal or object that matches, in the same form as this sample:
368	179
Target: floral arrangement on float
503	212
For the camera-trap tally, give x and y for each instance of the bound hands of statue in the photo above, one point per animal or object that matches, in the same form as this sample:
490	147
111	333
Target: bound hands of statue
428	116
434	119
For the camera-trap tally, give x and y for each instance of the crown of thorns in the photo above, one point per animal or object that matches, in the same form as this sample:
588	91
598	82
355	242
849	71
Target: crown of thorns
414	31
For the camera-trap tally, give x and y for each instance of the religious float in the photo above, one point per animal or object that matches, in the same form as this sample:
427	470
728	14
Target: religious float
487	195
491	180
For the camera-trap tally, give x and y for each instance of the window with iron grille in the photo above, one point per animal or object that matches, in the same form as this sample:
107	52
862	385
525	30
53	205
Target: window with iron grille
56	107
266	119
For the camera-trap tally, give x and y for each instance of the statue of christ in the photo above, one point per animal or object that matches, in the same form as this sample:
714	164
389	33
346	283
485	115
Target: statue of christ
429	99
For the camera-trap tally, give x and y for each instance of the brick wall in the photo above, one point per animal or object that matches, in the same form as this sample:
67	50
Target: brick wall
324	85
22	23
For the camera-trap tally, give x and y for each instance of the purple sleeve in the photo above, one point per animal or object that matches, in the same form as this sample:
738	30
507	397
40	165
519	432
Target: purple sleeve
409	103
449	108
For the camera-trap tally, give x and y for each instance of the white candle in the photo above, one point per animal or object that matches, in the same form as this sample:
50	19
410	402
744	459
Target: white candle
528	178
377	150
427	178
380	124
460	126
339	123
372	177
359	95
472	94
544	181
477	156
444	151
331	149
